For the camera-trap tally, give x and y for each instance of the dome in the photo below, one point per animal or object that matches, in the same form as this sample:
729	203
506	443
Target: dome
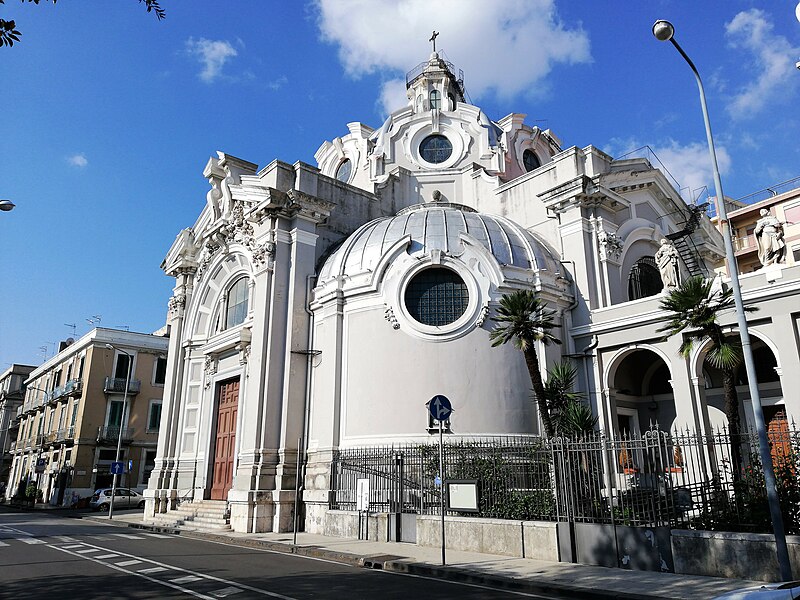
439	226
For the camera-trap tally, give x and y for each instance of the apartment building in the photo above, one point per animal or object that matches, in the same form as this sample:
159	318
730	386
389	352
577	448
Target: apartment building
12	391
79	404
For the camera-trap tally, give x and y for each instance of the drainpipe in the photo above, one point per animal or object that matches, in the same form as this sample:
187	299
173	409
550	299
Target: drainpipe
303	441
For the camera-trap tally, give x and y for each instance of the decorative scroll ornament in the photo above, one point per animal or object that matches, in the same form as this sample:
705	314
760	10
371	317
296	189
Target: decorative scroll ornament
610	244
176	304
388	314
210	369
482	317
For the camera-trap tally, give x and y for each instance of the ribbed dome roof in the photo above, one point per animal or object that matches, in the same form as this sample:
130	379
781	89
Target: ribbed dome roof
439	227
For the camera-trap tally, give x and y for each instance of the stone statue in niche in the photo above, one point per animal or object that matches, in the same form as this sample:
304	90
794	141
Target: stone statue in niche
769	235
667	261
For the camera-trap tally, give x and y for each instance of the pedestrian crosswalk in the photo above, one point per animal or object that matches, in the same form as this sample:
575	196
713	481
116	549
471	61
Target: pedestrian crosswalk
196	584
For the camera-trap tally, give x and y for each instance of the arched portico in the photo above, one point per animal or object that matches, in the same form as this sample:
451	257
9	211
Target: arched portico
639	383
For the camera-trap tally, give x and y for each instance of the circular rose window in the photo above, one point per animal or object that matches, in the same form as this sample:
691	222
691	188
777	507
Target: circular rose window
435	149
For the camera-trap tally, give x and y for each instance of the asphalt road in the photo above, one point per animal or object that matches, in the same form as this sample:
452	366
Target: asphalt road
47	555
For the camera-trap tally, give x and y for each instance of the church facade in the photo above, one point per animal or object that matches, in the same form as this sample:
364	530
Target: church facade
319	308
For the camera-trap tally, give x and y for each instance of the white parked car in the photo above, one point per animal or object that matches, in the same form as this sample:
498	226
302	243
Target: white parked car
123	498
769	591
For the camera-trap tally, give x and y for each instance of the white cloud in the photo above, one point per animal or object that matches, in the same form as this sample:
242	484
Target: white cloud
393	95
393	35
689	164
773	61
78	160
212	54
278	83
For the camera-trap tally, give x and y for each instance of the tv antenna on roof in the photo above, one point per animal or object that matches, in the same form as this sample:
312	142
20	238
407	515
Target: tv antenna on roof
125	327
43	350
94	320
71	325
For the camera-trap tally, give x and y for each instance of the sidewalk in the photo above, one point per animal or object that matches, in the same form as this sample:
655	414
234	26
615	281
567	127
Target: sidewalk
522	574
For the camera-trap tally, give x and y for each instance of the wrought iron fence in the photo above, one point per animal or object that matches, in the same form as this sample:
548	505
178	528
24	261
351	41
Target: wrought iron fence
677	479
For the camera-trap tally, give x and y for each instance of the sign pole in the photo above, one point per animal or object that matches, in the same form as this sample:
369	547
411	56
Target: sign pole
441	489
440	409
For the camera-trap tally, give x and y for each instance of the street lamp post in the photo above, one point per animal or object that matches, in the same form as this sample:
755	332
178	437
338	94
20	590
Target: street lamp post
664	31
121	423
6	205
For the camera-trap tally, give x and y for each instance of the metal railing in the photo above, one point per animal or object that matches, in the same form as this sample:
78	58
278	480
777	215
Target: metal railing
116	385
73	387
678	479
111	434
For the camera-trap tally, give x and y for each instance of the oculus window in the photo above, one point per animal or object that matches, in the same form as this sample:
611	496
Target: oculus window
436	297
236	307
435	149
344	170
530	160
645	279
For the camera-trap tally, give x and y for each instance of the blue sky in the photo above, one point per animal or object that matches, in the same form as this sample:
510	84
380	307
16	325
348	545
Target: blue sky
109	115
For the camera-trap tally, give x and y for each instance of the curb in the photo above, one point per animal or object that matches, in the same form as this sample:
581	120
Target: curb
401	565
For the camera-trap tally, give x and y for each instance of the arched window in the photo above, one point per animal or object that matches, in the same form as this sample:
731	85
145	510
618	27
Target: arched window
436	100
530	160
344	170
236	304
435	148
645	279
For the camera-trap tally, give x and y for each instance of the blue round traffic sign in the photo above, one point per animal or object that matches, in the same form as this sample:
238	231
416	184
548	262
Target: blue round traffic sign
440	408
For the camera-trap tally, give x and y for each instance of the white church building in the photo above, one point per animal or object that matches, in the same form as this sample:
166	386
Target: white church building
320	307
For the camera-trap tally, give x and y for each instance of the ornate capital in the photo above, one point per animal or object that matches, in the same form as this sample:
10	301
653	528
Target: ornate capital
176	305
610	244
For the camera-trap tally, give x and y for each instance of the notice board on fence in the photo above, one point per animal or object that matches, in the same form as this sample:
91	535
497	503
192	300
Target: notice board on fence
462	495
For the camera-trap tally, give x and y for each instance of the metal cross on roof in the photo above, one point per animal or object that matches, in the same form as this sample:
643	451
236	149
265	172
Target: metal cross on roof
433	39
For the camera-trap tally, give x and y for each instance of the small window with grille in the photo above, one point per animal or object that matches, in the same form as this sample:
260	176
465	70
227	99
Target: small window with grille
436	296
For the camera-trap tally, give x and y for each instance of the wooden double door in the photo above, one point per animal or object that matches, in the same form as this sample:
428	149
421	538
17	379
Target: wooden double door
225	438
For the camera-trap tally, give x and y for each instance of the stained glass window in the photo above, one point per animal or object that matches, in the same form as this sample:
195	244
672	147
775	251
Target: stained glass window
436	297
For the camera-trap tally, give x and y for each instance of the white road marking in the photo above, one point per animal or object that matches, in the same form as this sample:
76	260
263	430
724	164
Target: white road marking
159	535
128	563
152	570
187	579
3	544
87	550
73	546
228	591
165	567
105	556
31	540
65	538
128	536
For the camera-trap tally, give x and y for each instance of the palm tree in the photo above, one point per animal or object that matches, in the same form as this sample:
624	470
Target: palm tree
523	318
693	308
570	416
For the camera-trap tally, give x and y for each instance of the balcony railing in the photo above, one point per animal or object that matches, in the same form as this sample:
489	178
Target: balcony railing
116	385
65	434
111	434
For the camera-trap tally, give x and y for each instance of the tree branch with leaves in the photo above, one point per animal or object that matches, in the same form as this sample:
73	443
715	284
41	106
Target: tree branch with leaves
9	34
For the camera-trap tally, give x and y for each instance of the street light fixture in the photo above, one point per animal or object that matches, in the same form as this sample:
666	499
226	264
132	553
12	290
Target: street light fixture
665	31
121	423
6	205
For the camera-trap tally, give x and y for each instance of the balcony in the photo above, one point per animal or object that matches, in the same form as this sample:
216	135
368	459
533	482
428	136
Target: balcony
111	434
116	385
74	387
65	434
